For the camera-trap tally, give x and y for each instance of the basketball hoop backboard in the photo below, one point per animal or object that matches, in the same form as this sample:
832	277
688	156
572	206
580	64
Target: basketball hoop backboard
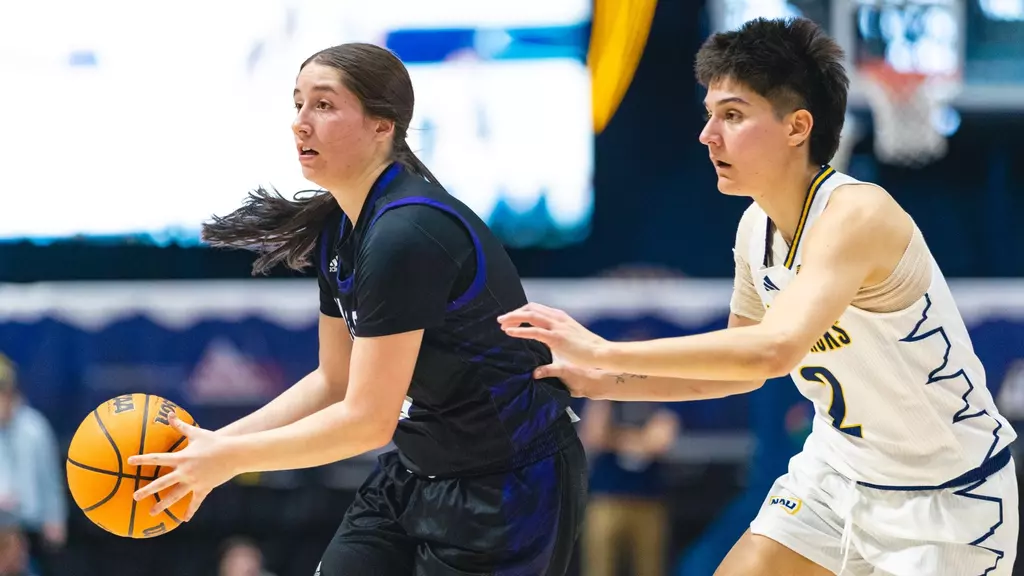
972	50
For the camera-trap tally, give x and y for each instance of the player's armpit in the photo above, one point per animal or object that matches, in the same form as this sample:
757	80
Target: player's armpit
745	300
857	241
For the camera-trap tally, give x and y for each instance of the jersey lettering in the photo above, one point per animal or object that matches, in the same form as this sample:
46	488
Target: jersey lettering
349	316
837	408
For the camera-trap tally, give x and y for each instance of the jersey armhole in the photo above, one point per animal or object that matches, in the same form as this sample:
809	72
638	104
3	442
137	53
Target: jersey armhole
480	277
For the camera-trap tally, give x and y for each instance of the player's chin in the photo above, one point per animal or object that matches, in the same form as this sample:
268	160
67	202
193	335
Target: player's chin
314	175
730	187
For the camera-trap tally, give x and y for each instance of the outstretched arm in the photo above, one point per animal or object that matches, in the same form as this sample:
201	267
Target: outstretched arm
858	240
601	384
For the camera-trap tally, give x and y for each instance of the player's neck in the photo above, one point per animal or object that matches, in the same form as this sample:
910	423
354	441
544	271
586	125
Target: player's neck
785	202
351	195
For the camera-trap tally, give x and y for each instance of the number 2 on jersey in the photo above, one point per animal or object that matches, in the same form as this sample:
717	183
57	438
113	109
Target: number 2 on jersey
837	410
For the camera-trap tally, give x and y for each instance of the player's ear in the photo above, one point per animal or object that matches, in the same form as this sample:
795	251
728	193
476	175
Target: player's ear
800	123
384	128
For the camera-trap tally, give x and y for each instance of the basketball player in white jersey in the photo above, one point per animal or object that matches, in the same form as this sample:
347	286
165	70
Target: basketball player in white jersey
907	469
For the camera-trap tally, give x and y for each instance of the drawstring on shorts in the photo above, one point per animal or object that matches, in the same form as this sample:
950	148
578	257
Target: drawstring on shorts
850	500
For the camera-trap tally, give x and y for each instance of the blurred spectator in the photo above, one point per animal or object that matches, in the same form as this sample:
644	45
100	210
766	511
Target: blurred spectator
627	519
241	557
31	480
13	550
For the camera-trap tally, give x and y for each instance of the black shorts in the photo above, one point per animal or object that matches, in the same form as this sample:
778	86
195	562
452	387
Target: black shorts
518	523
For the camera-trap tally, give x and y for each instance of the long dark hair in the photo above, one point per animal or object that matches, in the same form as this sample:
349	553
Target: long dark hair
284	230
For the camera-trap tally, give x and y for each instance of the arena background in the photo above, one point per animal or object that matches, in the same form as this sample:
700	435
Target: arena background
571	126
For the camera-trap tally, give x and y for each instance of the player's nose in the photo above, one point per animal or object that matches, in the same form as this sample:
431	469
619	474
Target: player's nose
300	126
709	135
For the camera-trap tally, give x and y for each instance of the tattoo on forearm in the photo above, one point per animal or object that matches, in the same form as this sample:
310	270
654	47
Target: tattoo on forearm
621	378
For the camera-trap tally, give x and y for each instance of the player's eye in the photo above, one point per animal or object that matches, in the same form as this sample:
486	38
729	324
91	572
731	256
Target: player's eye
298	106
732	116
323	105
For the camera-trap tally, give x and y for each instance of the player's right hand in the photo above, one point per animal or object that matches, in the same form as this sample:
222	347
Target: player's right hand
581	382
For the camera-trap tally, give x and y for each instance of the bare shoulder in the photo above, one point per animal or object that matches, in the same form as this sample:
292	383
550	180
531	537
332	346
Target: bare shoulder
870	209
873	223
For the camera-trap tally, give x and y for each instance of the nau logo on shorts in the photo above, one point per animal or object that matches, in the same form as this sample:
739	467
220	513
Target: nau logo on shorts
790	505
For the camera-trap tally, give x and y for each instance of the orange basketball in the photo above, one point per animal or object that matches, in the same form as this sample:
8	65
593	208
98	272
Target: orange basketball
101	481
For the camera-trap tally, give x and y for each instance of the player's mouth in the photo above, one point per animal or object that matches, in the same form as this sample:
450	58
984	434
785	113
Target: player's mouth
720	164
306	153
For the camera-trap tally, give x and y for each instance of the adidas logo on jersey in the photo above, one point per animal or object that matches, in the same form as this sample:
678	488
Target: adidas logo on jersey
769	285
333	266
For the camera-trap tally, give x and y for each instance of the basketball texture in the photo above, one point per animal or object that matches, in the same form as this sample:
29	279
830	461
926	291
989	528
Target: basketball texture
101	481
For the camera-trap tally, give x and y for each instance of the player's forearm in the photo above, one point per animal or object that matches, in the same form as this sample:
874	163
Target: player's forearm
750	353
642	388
332	434
310	394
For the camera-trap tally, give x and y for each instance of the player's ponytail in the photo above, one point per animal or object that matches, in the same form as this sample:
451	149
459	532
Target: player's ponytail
404	154
286	231
280	230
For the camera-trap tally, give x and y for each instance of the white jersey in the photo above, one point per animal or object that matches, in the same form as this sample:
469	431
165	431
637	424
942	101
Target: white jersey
900	398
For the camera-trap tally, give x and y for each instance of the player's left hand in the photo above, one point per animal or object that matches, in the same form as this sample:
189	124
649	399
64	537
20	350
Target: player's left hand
581	382
203	465
567	338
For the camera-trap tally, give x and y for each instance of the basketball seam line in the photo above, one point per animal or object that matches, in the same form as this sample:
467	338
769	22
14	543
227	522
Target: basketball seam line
138	471
107	472
120	465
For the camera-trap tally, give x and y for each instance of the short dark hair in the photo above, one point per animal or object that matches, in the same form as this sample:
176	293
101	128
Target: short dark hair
285	231
790	62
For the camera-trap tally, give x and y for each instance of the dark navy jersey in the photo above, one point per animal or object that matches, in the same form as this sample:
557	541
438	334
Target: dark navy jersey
417	258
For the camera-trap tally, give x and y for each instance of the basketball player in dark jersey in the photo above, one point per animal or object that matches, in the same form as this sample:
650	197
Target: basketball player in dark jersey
489	476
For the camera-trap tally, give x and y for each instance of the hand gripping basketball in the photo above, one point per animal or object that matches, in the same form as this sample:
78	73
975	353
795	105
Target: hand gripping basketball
202	466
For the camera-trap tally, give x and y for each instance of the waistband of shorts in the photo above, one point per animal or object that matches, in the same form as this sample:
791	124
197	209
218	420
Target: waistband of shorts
987	468
560	434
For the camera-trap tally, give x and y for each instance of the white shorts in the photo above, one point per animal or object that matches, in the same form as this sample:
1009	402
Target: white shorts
855	530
